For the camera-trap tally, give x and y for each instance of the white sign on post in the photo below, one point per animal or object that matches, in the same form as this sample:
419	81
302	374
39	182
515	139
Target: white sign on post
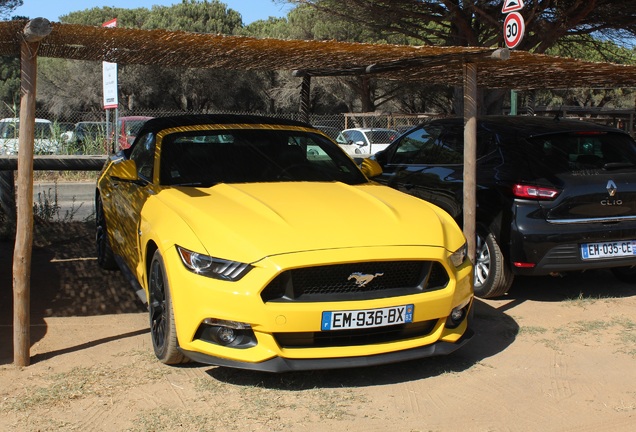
109	77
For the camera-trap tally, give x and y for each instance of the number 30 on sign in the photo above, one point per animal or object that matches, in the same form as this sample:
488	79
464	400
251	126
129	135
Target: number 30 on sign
514	28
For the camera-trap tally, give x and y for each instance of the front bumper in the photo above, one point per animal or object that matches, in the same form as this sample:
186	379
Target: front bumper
197	298
280	364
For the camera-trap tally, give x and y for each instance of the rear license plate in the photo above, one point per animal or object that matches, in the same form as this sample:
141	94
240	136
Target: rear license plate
613	249
341	320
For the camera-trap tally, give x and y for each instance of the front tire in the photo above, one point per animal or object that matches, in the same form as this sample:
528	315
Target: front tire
162	327
493	278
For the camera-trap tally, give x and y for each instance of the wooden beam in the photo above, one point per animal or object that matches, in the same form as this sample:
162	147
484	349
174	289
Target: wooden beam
57	162
34	31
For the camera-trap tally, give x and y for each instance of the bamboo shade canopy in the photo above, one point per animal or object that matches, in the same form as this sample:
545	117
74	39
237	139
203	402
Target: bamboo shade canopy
430	64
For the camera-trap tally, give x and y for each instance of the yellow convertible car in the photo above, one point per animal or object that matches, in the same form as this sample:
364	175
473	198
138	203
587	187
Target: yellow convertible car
236	232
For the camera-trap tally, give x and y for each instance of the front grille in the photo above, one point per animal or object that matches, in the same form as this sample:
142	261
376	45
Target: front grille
358	337
356	281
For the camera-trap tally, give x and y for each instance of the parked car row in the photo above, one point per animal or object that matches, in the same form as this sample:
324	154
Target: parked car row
44	141
73	138
365	141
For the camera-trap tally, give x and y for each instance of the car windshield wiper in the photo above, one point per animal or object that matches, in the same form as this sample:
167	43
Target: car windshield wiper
617	165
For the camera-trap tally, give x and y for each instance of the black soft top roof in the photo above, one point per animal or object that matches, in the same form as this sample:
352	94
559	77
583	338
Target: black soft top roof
160	123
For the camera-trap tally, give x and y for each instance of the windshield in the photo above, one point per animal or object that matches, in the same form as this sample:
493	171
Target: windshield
205	158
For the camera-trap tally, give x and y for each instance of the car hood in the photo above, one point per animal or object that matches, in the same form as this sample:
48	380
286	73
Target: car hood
248	222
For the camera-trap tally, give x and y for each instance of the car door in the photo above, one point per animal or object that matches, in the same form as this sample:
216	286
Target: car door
129	197
427	163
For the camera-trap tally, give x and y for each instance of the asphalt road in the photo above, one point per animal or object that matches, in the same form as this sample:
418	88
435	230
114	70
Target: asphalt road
76	200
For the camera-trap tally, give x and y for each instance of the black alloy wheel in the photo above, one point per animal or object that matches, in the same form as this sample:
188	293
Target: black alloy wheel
162	327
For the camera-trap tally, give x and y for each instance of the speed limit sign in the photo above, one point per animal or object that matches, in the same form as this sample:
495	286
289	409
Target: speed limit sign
514	28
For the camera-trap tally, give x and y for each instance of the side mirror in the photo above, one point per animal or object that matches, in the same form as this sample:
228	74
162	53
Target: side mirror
124	169
370	168
360	143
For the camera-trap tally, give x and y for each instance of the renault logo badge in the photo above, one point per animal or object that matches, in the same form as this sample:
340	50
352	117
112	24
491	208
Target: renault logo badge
611	188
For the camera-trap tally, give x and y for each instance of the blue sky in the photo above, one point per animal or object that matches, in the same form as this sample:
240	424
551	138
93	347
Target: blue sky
250	10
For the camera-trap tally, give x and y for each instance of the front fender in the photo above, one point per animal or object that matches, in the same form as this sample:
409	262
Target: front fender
159	228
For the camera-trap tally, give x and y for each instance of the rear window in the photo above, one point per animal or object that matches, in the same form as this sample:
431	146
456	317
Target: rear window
582	151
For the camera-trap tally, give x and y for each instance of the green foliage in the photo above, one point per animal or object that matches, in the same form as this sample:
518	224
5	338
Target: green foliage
307	23
46	207
69	85
588	48
7	6
10	80
195	16
128	18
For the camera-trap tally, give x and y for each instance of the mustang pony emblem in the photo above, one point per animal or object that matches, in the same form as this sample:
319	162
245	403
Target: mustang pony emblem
363	279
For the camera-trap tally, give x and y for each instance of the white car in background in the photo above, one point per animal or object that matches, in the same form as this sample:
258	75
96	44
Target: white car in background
44	143
366	141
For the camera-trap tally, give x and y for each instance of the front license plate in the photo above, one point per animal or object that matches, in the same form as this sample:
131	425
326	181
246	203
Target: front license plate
341	320
608	249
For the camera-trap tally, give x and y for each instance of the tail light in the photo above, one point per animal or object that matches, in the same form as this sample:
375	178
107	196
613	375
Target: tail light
534	192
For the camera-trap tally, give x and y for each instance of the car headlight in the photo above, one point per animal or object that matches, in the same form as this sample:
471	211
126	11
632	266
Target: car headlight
459	256
213	267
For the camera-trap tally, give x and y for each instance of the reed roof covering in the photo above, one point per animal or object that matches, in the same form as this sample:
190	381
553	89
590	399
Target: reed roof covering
430	64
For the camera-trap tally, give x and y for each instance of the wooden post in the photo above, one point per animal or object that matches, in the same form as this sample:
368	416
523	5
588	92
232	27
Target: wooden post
34	32
305	91
470	155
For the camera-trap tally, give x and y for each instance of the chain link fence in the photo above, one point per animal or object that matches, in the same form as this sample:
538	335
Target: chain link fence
96	132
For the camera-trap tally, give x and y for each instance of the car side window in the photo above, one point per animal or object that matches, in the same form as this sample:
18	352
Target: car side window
356	136
144	156
439	145
417	147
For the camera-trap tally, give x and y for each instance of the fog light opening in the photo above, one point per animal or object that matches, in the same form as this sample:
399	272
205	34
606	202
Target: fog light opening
226	333
457	316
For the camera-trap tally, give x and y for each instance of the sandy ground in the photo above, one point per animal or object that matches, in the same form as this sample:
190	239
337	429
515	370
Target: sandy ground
552	355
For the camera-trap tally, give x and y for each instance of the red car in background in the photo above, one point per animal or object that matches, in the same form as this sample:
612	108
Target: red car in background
126	130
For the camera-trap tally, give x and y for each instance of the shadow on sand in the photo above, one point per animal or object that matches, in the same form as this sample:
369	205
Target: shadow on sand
65	281
495	330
